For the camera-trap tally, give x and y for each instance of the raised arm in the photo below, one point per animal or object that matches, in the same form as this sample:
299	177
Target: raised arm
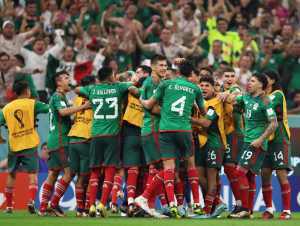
142	46
276	25
210	9
227	98
83	10
258	18
70	111
97	6
109	16
43	5
36	28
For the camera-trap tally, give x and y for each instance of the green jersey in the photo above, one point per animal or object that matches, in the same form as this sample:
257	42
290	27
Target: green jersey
280	133
59	125
39	108
257	111
272	64
122	58
88	18
178	100
106	104
150	121
291	106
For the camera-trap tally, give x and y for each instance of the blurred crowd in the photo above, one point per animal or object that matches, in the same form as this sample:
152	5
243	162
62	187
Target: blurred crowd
40	37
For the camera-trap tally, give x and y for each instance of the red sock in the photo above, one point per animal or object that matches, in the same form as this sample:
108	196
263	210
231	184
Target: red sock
194	182
139	187
33	191
158	180
286	196
107	184
145	175
151	201
183	180
79	191
252	190
162	195
61	188
169	184
267	192
244	185
179	192
208	201
116	187
131	184
218	199
46	196
87	201
9	194
94	184
229	169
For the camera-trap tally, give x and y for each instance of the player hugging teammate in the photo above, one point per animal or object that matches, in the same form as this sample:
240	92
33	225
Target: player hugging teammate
156	119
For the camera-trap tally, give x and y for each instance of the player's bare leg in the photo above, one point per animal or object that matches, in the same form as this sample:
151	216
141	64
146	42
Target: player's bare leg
9	191
79	191
118	178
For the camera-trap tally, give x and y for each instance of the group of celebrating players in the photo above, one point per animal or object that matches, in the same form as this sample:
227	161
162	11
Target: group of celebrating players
176	134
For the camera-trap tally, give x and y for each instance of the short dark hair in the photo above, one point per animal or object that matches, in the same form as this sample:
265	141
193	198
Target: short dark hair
220	19
274	75
104	73
43	144
218	41
173	71
88	80
199	60
228	69
192	5
4	54
56	77
197	72
185	68
207	69
297	91
119	26
224	63
30	2
141	80
245	15
243	24
157	57
129	5
207	78
21	87
38	40
296	42
269	38
261	78
20	58
145	69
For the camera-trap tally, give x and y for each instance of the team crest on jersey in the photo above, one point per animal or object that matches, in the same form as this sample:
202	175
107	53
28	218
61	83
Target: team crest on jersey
255	106
122	58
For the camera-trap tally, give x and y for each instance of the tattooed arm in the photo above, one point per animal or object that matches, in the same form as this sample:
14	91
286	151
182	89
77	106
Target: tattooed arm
270	130
134	91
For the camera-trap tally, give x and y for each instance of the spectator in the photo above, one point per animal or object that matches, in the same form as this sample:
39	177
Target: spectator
206	71
12	43
293	106
125	41
281	12
243	17
287	33
19	61
8	75
171	50
13	10
218	73
170	73
81	52
44	156
201	62
215	56
114	65
253	58
242	30
243	73
51	8
39	57
143	71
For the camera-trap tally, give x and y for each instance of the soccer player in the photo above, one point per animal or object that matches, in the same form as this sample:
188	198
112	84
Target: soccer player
20	118
261	123
278	155
212	143
58	144
105	139
234	135
175	136
79	146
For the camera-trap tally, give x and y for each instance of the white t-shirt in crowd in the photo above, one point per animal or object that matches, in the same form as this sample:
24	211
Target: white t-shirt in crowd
243	82
33	60
189	28
12	47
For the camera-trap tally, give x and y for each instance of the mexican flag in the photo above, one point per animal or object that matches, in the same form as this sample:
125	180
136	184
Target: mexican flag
75	70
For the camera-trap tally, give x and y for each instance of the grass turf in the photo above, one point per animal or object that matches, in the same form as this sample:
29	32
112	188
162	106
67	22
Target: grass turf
21	217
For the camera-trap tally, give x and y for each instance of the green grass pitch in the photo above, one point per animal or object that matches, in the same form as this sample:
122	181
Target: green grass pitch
21	217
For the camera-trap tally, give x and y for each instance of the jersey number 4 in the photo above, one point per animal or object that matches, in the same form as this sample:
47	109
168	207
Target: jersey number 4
179	109
114	104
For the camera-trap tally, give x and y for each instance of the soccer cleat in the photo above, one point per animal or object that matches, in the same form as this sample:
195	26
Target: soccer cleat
92	211
142	203
203	216
266	215
78	214
101	209
251	216
45	214
285	216
114	208
85	213
8	210
242	213
157	215
219	209
190	210
31	207
198	210
57	211
166	211
120	195
130	210
124	207
174	212
138	212
182	212
235	210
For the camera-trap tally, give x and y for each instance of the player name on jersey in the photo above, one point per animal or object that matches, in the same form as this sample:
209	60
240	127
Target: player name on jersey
106	91
183	88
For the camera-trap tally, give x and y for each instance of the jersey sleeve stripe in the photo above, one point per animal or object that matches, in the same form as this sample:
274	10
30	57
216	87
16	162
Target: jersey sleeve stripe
265	99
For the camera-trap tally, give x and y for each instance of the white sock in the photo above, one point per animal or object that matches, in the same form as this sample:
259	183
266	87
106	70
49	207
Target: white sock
164	206
270	210
238	202
180	207
287	211
130	200
189	205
